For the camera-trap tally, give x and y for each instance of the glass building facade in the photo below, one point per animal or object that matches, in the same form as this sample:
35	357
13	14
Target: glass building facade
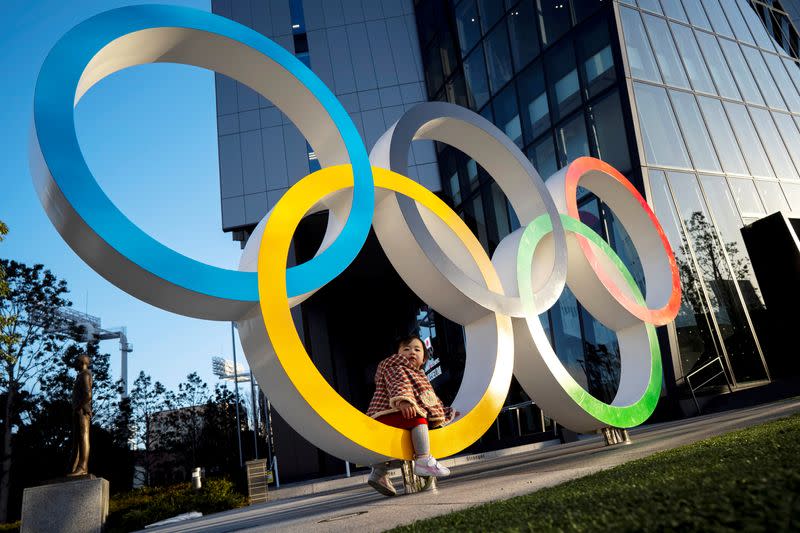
551	76
366	52
722	91
696	102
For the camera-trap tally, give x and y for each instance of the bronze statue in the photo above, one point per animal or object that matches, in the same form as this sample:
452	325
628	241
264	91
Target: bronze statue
81	416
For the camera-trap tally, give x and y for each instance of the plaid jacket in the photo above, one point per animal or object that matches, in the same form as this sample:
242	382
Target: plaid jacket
396	380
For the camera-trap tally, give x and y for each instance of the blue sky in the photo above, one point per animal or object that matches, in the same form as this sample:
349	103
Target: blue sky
149	136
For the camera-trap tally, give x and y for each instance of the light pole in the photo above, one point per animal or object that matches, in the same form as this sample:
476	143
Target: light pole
227	370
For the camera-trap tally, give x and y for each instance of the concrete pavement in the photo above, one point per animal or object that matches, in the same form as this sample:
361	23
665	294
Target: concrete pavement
353	506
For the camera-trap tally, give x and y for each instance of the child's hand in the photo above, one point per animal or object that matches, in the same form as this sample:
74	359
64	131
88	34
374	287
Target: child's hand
406	409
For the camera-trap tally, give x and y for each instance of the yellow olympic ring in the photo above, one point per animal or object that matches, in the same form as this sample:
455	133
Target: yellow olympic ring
308	381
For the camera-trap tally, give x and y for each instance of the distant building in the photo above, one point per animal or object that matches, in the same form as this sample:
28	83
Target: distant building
166	464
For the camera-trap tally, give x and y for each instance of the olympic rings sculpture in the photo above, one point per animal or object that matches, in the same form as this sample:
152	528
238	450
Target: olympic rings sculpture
497	299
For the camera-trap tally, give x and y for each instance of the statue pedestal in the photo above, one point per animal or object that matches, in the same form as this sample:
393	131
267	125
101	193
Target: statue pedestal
68	506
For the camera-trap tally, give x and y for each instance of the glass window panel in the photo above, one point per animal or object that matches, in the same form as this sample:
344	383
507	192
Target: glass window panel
608	131
674	10
572	140
726	217
456	91
476	220
473	176
776	151
785	85
500	206
622	243
794	71
487	113
651	5
491	11
562	73
567	337
695	65
785	34
662	138
468	24
448	54
716	275
523	33
717	17
543	156
434	72
455	189
748	141
697	344
477	83
792	192
772	196
506	114
694	131
764	79
756	25
554	19
597	60
498	58
533	101
747	199
738	24
601	349
666	54
722	135
741	72
789	134
716	63
584	8
640	56
697	15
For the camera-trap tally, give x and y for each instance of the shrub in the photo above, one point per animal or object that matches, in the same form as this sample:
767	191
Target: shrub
135	509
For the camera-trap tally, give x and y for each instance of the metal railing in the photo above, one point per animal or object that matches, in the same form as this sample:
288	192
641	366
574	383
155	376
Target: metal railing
693	373
516	409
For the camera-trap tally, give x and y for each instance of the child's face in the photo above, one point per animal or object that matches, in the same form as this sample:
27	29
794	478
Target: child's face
414	351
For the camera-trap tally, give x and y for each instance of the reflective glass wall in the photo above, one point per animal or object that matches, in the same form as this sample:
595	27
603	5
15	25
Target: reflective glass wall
777	20
549	74
717	104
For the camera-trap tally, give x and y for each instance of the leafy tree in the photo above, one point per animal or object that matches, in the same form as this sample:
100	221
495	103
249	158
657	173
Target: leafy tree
146	399
185	420
219	452
29	304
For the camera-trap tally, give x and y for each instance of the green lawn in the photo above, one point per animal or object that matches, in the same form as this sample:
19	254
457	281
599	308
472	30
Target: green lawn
748	480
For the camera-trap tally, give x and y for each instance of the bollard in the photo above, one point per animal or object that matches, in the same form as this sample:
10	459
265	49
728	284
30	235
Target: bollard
197	482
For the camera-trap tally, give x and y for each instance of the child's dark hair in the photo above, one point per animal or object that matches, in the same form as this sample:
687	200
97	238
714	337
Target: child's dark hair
406	340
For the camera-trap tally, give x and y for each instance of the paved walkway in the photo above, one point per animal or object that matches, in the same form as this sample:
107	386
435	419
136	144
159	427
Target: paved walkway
359	508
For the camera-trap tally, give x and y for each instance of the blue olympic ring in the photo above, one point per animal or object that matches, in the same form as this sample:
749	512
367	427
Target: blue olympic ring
55	126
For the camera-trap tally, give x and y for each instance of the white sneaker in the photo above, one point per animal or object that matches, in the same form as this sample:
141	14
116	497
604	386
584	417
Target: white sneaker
379	480
430	467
